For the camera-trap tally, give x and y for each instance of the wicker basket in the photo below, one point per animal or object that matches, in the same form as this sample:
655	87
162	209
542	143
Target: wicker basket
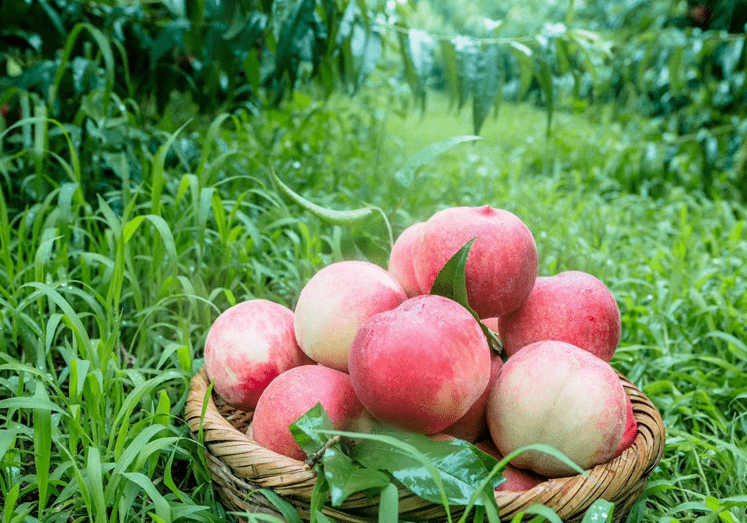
239	466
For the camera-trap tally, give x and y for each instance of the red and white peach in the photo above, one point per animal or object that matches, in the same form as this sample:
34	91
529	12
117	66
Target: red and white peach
571	306
292	394
554	393
502	262
400	259
247	346
421	366
335	302
474	424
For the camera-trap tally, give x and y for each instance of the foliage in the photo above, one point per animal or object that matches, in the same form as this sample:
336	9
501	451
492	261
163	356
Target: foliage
220	52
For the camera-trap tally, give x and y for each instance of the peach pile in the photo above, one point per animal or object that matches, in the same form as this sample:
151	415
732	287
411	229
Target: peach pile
371	344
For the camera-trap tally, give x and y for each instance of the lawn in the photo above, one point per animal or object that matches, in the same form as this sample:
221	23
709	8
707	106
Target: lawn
106	295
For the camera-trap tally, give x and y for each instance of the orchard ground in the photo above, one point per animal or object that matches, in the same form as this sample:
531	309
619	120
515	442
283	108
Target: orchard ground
95	369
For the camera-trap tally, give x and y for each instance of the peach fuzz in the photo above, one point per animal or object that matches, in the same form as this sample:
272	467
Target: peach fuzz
291	395
502	262
247	346
517	480
421	366
474	425
555	393
571	306
335	302
400	259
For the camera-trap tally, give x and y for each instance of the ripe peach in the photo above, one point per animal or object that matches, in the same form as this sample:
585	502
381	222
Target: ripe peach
474	425
400	259
517	480
292	394
502	262
631	428
420	366
555	393
335	302
572	306
247	346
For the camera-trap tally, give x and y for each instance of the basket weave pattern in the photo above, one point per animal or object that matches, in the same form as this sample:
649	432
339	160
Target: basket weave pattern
239	466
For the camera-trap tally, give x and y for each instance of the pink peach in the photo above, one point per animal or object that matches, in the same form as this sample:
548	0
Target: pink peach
292	394
516	480
554	393
502	262
400	259
247	346
474	425
572	306
631	428
335	302
420	366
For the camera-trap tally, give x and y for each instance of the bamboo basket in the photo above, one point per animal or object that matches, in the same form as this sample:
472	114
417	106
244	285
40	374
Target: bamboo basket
239	466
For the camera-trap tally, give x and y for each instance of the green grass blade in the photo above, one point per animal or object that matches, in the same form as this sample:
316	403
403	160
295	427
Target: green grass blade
42	444
389	505
158	175
599	512
9	506
95	483
163	509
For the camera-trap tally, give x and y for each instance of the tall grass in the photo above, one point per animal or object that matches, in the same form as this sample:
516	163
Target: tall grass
105	302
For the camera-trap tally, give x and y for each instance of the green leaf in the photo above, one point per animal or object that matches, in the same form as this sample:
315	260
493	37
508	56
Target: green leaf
251	67
451	70
42	444
526	64
487	85
674	64
546	512
163	509
10	502
345	477
295	39
407	174
544	77
95	484
306	429
599	512
389	504
7	440
318	497
451	281
290	514
329	215
322	518
434	470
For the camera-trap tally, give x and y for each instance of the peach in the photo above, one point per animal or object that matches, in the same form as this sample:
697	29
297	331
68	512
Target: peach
335	302
517	480
421	366
571	306
292	394
247	346
474	425
631	428
400	259
555	393
502	262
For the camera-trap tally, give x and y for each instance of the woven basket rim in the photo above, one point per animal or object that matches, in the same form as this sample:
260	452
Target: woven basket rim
239	466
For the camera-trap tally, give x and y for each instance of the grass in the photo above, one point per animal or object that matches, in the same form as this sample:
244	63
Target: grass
105	302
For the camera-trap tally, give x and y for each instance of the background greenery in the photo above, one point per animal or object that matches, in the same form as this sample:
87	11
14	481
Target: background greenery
136	204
